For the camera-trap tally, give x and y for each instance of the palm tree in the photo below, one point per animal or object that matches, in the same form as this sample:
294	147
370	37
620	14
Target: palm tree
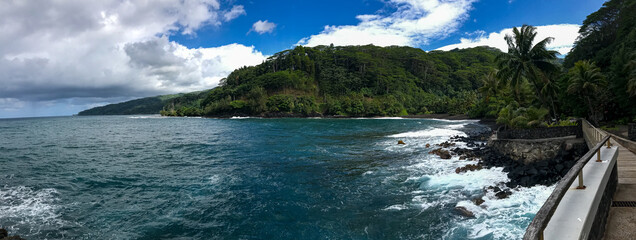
586	80
631	78
525	62
491	85
550	91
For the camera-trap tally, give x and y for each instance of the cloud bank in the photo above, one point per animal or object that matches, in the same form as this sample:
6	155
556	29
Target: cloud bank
564	36
104	50
413	23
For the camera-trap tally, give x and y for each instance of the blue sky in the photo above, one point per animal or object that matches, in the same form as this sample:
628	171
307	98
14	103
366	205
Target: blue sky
58	58
298	19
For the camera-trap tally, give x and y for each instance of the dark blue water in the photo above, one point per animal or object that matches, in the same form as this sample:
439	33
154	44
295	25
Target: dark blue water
144	177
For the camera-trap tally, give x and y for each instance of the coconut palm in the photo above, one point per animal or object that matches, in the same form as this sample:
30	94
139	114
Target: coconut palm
491	85
631	78
586	80
526	62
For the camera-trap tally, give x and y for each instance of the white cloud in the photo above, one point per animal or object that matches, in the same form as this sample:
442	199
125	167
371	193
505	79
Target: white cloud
263	27
413	23
564	36
169	65
235	12
111	49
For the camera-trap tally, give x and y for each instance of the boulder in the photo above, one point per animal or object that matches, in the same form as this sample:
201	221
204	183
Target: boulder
446	144
503	194
441	153
469	167
464	212
478	201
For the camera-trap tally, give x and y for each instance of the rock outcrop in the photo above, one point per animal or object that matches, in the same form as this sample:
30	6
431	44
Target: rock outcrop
464	212
520	173
444	154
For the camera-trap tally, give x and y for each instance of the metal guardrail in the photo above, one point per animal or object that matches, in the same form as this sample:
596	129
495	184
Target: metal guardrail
542	218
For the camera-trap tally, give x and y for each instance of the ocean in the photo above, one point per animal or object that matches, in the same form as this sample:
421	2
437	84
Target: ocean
152	177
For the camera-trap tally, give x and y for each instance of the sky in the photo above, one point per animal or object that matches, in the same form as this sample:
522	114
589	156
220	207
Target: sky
61	57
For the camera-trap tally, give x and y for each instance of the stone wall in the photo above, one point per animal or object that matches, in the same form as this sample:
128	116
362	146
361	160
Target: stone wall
600	218
631	131
540	133
529	151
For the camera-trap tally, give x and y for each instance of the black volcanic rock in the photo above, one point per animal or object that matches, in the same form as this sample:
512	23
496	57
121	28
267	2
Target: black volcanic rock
542	172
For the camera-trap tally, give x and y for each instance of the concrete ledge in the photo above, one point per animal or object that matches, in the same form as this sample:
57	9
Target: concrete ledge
577	211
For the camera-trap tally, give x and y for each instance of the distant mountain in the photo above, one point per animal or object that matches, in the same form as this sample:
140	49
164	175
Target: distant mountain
148	105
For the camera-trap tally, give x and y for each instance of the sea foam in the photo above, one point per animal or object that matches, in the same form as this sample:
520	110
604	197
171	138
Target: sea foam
434	132
28	208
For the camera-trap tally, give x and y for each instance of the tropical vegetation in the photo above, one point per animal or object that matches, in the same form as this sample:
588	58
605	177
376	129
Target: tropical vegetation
527	86
347	81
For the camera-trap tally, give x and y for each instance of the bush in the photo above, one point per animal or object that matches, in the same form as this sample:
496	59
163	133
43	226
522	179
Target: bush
305	105
238	104
513	116
564	123
280	103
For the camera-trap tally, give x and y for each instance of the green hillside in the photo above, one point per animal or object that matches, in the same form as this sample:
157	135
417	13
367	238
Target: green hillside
349	81
608	39
149	105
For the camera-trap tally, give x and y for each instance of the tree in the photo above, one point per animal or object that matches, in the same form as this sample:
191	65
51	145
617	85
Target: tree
631	78
491	85
586	80
525	62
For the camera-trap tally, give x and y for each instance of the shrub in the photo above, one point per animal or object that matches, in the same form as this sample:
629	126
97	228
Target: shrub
513	116
280	103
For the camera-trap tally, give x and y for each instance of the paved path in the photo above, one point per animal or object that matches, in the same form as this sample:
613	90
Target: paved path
621	222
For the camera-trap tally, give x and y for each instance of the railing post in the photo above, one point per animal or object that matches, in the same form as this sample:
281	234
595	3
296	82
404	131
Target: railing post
598	155
581	186
609	145
541	235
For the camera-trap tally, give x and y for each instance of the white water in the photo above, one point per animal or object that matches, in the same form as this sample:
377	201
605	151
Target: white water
440	187
24	207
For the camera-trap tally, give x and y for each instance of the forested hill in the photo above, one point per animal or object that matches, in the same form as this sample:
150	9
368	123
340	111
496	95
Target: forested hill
348	81
149	105
608	39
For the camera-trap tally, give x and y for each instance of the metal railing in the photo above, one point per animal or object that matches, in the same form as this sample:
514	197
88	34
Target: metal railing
542	218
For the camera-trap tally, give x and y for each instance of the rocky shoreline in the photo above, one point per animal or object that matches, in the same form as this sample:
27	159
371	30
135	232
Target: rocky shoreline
543	172
478	155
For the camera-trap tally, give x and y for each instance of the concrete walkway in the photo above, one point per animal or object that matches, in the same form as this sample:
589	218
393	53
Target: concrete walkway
621	222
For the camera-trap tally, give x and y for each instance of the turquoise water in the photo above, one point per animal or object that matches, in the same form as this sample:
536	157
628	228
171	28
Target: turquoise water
148	177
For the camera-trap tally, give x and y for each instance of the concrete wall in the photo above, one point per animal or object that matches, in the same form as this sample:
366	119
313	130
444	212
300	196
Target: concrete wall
600	218
580	213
